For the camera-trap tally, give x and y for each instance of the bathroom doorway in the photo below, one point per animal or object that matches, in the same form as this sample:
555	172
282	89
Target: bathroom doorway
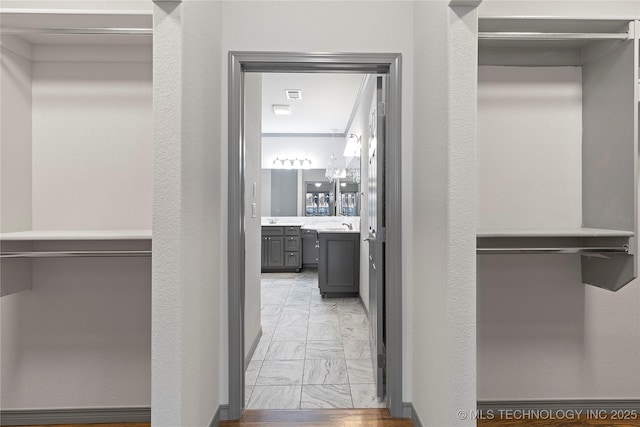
389	321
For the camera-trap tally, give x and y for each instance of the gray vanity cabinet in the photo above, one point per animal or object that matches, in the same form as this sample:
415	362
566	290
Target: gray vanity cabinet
281	249
339	264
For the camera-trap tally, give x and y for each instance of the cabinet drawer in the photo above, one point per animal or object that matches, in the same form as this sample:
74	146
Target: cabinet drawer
291	243
310	233
292	230
273	231
291	259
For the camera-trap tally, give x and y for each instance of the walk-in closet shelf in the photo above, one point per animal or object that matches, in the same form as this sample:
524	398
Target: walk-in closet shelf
19	249
76	137
76	200
557	142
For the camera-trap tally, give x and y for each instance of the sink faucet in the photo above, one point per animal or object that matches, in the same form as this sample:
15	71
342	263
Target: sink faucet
349	225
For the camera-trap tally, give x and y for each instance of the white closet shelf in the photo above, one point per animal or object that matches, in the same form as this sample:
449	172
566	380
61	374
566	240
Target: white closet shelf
20	249
607	256
76	235
89	27
44	18
552	232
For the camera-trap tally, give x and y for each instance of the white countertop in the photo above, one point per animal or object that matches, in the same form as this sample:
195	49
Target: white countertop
326	224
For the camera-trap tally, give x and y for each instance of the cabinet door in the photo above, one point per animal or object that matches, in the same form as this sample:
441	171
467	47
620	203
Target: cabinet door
292	243
292	259
276	251
310	252
339	264
265	252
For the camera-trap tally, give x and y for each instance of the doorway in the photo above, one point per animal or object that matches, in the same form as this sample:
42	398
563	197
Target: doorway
387	65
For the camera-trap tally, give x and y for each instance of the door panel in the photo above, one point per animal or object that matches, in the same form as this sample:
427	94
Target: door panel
265	252
376	240
276	251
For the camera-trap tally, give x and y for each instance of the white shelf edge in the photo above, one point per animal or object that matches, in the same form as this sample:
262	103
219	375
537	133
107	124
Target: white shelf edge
15	11
553	232
561	17
35	235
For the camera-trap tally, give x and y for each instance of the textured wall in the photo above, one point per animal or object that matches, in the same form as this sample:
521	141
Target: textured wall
444	196
188	214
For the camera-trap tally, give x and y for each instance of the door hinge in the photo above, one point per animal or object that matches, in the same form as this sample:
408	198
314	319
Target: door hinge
382	361
382	112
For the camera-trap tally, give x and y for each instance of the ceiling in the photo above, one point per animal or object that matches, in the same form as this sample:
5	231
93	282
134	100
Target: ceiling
327	103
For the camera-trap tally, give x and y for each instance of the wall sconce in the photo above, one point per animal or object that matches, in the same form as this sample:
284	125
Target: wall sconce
353	146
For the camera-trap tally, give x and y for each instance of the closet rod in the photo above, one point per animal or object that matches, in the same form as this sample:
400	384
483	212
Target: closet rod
80	31
502	35
69	254
579	250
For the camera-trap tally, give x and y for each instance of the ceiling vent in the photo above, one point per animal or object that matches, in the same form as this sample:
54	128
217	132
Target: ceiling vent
293	93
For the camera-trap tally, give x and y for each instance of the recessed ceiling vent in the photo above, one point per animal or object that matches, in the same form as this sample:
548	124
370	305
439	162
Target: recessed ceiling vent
293	93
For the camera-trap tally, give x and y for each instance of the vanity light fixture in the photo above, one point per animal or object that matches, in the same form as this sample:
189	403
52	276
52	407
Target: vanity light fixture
317	184
296	163
353	146
281	109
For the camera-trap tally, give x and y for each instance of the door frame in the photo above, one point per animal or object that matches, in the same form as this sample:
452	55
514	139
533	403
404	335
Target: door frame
369	63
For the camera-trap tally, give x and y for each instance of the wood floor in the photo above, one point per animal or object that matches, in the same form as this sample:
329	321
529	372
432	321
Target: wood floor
582	422
319	418
367	418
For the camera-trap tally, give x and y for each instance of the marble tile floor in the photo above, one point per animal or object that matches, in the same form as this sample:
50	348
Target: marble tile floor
314	353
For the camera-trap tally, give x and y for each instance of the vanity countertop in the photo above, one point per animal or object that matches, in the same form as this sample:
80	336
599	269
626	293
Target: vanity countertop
282	221
336	230
320	224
